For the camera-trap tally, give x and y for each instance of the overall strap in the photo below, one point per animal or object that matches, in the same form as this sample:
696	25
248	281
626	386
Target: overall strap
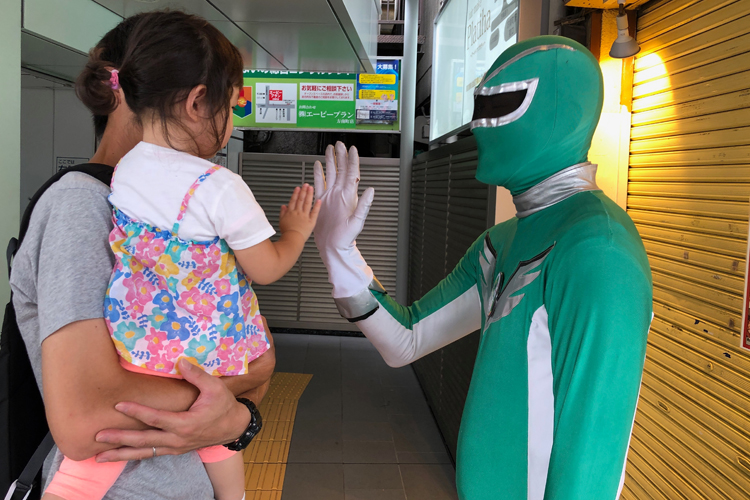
189	194
112	180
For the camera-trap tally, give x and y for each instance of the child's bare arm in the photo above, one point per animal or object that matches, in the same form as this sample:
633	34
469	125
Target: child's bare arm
268	261
228	477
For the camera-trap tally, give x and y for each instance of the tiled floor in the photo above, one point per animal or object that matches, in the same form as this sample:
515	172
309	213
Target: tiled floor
363	430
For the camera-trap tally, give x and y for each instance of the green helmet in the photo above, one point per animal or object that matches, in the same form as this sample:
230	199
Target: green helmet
535	111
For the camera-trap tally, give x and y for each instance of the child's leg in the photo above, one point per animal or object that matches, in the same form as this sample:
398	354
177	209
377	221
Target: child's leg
226	470
85	480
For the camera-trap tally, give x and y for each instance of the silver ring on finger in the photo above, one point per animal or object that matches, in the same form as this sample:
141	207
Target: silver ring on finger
154	450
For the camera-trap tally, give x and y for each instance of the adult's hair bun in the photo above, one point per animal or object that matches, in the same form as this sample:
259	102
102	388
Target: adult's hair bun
93	87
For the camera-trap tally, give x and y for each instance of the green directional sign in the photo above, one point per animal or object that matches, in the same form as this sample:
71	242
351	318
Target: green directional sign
307	101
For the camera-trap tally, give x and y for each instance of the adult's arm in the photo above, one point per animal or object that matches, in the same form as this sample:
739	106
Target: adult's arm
401	334
445	314
599	308
173	433
84	382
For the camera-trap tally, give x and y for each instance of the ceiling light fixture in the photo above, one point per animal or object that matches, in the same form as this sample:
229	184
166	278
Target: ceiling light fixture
624	45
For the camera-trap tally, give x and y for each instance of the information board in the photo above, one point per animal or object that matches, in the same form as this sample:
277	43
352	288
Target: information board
469	35
319	101
377	95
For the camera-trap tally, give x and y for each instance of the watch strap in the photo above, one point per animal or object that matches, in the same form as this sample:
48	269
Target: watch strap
252	430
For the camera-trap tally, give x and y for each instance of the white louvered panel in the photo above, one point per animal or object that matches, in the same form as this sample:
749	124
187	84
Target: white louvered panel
303	298
688	191
272	181
378	240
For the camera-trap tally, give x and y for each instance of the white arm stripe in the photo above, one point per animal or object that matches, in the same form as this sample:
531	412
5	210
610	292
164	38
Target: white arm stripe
400	346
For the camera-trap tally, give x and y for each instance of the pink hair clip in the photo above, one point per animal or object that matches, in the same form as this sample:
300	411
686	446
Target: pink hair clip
114	80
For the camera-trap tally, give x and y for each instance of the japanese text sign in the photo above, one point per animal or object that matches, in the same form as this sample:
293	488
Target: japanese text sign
314	101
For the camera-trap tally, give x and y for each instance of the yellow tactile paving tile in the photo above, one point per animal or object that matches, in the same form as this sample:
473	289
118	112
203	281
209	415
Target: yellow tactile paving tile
288	385
265	477
263	495
265	458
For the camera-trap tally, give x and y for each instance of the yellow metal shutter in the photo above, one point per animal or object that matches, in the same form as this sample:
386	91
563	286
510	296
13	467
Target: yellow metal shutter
302	298
688	192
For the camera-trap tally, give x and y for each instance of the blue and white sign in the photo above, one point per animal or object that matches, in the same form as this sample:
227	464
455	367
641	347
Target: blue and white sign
377	94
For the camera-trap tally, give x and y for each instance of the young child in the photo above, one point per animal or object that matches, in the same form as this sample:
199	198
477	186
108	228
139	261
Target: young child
188	236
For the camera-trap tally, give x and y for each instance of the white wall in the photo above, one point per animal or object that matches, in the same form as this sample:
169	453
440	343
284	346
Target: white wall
54	125
10	134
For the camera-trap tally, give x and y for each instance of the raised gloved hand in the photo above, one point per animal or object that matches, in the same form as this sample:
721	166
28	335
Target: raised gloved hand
342	217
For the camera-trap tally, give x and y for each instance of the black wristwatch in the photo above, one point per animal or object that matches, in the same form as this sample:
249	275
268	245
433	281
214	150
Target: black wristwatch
253	428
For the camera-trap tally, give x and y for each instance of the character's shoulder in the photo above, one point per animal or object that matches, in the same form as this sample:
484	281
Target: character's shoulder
503	230
595	225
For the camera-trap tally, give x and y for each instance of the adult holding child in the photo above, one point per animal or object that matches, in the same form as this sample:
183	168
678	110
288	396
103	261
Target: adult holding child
60	278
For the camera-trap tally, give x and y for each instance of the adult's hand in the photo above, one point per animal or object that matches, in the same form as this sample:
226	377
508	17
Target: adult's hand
215	418
342	217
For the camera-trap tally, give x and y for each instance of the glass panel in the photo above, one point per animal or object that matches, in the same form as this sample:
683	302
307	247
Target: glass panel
469	35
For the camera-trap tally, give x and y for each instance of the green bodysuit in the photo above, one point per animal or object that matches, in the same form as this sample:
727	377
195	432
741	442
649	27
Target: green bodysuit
561	293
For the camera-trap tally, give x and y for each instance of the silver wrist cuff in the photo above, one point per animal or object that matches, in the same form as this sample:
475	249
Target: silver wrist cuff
360	305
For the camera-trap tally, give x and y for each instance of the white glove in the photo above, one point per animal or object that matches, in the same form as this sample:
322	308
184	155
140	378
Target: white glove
342	217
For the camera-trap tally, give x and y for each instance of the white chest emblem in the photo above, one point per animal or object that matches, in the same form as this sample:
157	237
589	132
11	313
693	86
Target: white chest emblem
499	301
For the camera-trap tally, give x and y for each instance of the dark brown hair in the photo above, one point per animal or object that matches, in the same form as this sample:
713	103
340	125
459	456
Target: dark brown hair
167	54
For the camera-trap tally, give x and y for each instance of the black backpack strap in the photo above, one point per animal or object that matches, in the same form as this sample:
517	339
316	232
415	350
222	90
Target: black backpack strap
97	170
20	489
14	363
10	252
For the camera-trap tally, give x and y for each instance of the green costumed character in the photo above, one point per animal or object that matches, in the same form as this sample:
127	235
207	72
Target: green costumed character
561	292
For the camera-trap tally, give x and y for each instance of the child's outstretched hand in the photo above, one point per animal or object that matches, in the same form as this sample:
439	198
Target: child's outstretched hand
268	261
300	215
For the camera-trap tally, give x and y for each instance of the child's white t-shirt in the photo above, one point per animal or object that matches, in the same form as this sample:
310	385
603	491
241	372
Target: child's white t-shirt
151	182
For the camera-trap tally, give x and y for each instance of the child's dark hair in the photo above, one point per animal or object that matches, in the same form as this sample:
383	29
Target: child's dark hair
167	54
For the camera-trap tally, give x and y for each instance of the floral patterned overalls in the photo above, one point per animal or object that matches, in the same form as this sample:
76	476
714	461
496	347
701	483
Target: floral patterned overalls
169	298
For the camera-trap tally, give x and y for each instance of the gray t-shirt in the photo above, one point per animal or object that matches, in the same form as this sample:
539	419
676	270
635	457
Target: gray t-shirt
60	276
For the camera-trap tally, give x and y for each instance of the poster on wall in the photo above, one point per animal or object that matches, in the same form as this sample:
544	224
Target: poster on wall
377	95
318	101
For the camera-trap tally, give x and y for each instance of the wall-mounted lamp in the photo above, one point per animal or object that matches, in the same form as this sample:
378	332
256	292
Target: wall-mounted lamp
624	45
